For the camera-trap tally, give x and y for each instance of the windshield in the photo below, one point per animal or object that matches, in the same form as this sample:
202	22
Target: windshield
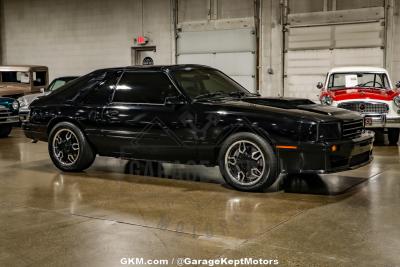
15	77
207	83
59	82
365	80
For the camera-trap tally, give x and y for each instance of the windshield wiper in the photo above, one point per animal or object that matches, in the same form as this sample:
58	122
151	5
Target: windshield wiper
241	94
209	95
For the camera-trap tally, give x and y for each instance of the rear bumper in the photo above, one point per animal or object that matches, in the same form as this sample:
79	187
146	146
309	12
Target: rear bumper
319	157
35	131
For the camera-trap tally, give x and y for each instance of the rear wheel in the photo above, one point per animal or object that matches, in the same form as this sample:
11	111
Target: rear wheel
68	148
393	135
247	162
5	131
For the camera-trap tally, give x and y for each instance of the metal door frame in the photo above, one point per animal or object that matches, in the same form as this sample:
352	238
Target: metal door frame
135	50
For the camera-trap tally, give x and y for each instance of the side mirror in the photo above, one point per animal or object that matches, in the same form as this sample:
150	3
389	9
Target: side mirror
398	84
175	100
320	85
42	90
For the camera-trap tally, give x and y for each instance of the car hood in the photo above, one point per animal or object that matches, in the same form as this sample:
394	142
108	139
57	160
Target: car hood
28	99
6	102
362	93
290	107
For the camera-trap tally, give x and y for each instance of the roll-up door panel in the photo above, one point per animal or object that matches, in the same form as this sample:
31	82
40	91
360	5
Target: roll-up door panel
238	40
304	69
231	51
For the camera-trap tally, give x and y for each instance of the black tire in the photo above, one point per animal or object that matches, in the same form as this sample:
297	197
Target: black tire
85	154
393	136
5	131
267	176
379	136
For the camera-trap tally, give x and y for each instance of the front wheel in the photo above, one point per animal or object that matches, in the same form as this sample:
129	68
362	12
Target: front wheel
5	131
393	135
68	148
247	162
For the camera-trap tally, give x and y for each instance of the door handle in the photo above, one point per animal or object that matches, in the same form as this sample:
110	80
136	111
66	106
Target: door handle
112	113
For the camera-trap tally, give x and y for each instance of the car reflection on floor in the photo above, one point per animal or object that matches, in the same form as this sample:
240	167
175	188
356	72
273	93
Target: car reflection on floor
294	183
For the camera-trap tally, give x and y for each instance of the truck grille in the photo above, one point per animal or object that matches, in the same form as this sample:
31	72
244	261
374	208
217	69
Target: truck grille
352	129
366	107
4	113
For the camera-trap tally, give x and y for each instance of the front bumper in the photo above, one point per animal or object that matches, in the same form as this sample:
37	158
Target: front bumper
23	115
381	121
35	131
9	120
319	157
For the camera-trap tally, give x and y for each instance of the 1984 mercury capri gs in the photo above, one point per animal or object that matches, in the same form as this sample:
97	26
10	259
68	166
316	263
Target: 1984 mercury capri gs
195	114
367	90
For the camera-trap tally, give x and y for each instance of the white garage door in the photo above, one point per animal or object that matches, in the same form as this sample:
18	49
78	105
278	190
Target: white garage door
312	51
231	51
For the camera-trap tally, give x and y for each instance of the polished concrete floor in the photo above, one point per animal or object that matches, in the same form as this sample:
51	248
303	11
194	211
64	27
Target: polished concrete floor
112	211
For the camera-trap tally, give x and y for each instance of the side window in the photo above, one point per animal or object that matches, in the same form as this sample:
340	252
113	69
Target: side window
144	87
102	92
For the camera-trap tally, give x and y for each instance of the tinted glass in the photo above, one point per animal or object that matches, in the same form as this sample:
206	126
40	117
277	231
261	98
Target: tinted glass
101	93
144	87
200	82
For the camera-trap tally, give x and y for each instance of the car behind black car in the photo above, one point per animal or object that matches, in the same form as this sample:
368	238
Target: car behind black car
195	114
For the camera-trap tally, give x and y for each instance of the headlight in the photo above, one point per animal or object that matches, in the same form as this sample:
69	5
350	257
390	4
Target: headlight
308	132
396	101
15	105
329	131
21	103
327	100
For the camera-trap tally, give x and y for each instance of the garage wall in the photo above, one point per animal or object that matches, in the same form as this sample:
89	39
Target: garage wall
74	37
271	48
222	35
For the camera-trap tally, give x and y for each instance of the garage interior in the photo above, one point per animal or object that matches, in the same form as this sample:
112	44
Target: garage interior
118	209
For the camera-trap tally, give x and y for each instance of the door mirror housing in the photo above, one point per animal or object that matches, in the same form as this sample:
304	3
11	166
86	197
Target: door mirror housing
320	85
175	100
42	90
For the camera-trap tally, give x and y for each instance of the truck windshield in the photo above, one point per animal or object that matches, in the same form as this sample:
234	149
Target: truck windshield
353	79
15	77
207	83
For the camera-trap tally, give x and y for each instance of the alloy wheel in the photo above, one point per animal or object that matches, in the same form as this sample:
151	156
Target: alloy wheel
245	163
66	147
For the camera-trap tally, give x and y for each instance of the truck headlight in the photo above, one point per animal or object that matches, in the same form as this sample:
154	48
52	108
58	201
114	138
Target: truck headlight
21	102
15	105
326	100
329	131
396	101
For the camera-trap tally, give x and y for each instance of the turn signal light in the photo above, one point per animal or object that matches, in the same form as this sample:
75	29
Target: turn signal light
286	147
334	148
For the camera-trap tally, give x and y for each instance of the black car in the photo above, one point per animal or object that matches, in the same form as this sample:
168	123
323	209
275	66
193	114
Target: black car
196	115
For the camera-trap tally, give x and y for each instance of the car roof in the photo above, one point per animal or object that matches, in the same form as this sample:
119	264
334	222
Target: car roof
66	78
161	67
358	69
23	68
